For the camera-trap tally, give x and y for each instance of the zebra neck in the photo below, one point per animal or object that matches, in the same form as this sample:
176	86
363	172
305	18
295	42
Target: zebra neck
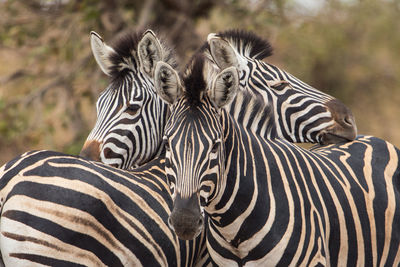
246	184
252	111
241	147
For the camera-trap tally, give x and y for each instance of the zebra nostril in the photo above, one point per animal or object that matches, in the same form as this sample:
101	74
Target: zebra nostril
348	121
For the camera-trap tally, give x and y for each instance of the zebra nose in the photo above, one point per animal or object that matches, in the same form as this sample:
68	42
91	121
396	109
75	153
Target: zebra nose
186	219
200	222
344	128
91	150
186	225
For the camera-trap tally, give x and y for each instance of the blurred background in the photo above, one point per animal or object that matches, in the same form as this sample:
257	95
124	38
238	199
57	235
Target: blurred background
49	81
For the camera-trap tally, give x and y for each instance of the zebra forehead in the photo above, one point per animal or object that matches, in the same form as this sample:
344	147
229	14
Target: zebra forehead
196	119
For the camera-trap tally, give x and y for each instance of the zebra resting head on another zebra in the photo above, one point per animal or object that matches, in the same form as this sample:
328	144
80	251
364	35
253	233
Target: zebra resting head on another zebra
130	115
269	202
302	113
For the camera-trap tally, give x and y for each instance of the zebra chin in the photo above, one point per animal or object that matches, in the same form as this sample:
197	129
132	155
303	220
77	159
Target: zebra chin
338	134
186	219
332	138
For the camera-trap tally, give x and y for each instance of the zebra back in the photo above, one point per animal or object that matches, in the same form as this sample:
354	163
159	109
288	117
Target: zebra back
58	209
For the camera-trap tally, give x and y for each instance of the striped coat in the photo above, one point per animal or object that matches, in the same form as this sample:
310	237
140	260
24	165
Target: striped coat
58	210
270	202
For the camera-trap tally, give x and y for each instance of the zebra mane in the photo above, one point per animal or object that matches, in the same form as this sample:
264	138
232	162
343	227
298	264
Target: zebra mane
193	79
125	46
246	43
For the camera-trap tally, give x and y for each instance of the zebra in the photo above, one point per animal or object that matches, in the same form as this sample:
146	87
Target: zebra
130	115
62	210
24	174
270	202
303	114
65	177
59	209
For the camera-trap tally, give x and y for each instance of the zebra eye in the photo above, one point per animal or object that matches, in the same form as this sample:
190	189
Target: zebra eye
280	86
242	75
215	147
132	108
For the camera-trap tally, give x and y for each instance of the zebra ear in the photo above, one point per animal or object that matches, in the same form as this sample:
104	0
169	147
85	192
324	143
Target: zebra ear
222	52
167	83
225	87
149	52
101	52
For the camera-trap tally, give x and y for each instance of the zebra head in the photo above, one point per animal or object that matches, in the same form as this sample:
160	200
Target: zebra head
130	115
194	139
302	113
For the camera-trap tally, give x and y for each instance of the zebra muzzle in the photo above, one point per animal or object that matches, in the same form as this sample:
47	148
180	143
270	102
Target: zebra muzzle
344	129
186	219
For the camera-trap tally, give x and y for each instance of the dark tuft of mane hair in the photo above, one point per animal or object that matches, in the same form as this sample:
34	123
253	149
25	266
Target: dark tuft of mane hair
126	42
125	46
246	43
242	40
193	79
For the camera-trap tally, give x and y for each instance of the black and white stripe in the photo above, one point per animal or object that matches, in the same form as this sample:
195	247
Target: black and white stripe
60	210
130	116
276	203
302	113
125	137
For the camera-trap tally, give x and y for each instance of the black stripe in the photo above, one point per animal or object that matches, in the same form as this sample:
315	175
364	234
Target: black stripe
97	209
44	260
31	158
77	239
